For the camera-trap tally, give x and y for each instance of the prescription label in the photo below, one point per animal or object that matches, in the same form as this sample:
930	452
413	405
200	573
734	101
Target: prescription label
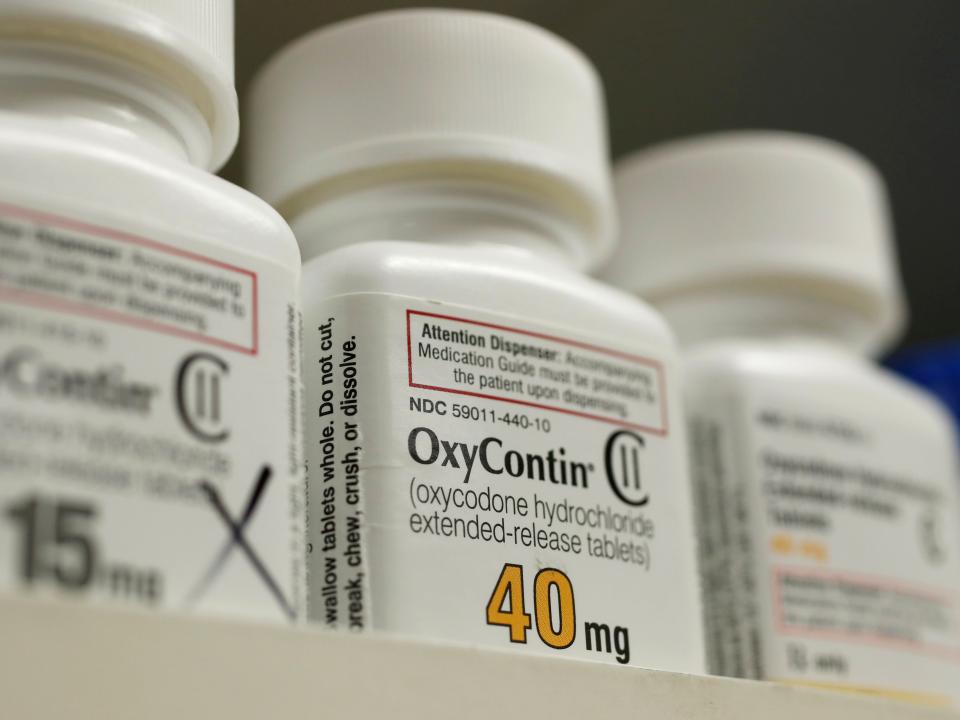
150	395
482	479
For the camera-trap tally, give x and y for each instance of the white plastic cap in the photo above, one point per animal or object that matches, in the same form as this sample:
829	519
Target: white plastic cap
187	42
802	215
426	91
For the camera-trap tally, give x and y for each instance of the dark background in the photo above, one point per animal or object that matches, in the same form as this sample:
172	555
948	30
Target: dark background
880	75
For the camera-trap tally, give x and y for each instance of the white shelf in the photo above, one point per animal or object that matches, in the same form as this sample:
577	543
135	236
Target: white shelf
59	660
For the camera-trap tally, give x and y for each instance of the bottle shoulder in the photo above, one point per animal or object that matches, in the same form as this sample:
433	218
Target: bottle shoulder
50	170
496	281
820	375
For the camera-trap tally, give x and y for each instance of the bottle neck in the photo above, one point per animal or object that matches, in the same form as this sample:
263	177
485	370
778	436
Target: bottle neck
795	320
105	99
446	211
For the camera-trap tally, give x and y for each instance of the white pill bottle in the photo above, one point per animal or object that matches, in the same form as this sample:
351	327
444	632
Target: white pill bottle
492	437
150	449
826	487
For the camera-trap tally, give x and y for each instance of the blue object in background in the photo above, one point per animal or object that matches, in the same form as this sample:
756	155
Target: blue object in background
934	367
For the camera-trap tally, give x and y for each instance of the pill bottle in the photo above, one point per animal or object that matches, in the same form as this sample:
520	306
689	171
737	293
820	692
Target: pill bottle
494	453
827	507
150	447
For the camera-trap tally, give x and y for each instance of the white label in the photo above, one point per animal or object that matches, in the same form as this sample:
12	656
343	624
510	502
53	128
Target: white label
485	480
830	552
149	421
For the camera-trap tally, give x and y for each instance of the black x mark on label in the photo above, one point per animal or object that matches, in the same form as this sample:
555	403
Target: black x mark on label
237	540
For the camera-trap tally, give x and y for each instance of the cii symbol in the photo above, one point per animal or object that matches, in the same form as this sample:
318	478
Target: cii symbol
622	460
199	396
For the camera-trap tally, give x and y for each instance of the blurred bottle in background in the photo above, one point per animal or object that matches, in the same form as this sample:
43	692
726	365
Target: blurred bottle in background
827	505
